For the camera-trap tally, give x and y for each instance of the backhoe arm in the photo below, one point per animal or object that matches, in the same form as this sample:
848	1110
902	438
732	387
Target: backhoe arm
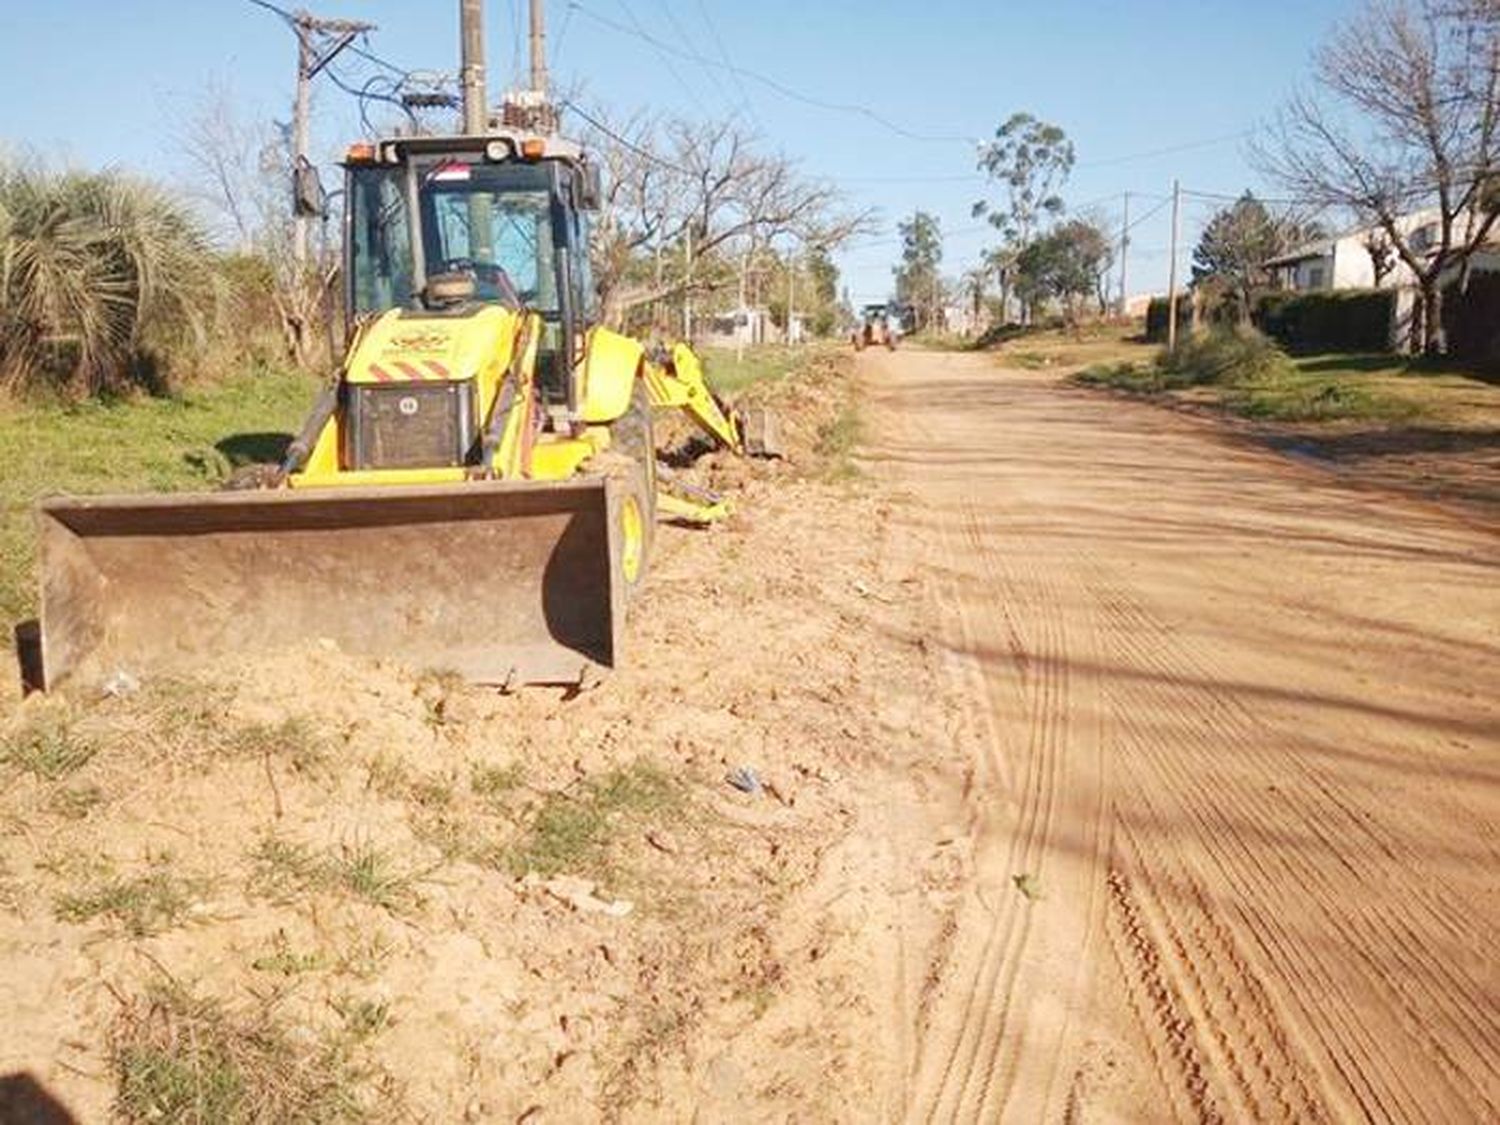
675	380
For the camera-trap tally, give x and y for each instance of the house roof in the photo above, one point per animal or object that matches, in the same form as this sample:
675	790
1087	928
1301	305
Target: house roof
1307	251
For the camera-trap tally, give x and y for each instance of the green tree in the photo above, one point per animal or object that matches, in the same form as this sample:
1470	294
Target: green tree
825	290
1031	160
1067	265
1230	256
917	279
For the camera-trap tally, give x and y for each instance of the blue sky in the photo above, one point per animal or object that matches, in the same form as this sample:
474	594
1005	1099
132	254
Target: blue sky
110	82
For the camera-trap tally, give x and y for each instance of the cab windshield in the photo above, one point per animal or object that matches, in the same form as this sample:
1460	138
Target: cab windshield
495	222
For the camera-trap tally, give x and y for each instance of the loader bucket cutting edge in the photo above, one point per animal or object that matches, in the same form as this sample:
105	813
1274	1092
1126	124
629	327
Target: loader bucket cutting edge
503	583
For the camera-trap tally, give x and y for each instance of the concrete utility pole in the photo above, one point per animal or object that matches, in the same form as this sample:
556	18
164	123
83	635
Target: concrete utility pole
739	329
1172	270
319	42
539	48
1124	254
687	286
471	21
476	119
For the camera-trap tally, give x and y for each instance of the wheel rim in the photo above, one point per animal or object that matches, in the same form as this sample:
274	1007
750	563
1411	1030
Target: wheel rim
632	539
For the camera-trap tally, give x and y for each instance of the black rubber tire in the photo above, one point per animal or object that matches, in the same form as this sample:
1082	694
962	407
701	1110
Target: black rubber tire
633	442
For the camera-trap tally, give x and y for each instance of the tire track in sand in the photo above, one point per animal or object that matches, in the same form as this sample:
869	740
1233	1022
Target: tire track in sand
994	1024
1238	980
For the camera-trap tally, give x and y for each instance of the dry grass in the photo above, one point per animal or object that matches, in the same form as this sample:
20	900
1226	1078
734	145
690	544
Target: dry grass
182	1058
49	748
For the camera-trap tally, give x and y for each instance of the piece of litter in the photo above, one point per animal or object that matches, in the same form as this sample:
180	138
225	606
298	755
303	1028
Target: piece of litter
578	894
864	591
745	780
120	685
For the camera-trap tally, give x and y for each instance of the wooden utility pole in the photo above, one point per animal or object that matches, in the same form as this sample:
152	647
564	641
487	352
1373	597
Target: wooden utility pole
1172	269
319	42
539	48
1124	254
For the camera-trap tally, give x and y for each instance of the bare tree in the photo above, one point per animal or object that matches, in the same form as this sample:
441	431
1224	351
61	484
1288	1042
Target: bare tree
1404	118
685	197
242	174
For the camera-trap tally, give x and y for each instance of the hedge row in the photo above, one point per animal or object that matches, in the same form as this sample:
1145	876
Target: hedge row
1471	320
1158	311
1345	320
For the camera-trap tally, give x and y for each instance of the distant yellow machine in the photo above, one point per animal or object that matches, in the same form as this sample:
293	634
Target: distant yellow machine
475	492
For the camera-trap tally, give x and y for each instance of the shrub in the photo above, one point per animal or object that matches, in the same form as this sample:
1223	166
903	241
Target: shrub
1224	355
101	278
1355	320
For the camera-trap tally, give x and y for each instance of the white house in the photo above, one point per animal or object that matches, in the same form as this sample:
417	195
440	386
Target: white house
1344	261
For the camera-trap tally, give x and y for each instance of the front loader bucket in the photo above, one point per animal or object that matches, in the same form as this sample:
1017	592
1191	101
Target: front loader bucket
502	583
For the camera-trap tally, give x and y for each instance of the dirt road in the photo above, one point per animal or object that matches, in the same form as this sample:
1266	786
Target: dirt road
1109	771
1231	805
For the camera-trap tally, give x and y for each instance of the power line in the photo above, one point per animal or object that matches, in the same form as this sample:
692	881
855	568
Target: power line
557	43
643	153
642	34
1188	146
711	73
771	83
1154	211
713	32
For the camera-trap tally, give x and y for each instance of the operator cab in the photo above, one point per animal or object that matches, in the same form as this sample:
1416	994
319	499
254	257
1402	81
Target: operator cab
447	225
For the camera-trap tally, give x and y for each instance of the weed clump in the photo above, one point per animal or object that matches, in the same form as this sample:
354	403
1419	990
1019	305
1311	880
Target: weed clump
572	831
142	905
49	748
281	870
178	1057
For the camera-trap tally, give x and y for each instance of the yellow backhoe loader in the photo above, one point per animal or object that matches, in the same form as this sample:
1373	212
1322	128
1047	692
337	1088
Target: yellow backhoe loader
475	492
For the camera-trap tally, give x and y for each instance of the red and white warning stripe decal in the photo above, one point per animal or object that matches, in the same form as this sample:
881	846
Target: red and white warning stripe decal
397	371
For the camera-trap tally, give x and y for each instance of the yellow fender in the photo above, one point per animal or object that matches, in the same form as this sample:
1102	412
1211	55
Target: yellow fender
611	363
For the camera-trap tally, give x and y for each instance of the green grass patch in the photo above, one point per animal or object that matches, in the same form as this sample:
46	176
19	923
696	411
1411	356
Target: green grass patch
48	748
728	374
188	440
281	870
838	440
495	783
292	740
283	960
181	1058
571	832
141	905
1247	374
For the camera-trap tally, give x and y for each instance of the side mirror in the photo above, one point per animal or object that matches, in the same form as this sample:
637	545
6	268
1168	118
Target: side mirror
307	191
591	188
